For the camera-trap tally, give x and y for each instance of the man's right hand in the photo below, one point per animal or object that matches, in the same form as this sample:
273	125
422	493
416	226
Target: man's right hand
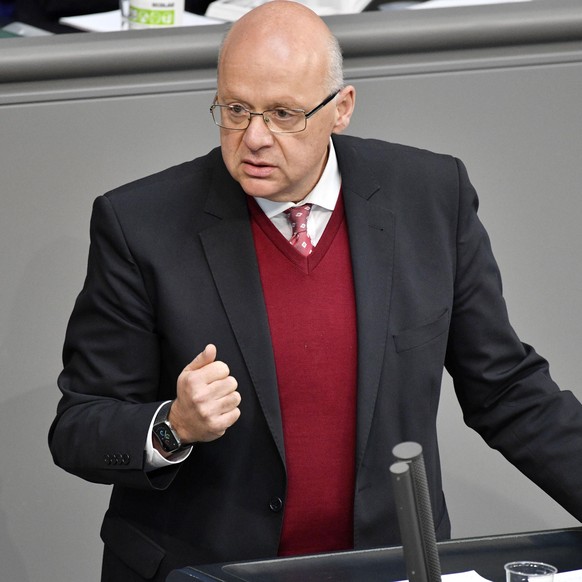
207	399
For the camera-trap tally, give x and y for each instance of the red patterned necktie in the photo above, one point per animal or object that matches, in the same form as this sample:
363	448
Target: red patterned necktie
298	218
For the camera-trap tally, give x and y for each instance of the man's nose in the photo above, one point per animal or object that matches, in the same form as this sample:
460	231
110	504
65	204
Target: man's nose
257	134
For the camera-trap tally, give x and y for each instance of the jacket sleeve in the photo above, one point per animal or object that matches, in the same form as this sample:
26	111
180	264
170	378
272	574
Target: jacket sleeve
504	387
110	379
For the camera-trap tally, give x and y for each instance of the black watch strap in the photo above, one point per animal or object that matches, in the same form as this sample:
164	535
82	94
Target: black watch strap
164	433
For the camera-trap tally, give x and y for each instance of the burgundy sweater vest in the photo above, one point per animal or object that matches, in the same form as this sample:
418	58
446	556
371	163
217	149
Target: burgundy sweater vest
312	316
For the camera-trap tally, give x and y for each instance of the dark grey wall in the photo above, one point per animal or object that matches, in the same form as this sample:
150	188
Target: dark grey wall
500	87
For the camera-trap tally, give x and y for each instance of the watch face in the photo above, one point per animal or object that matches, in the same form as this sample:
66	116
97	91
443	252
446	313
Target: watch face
166	437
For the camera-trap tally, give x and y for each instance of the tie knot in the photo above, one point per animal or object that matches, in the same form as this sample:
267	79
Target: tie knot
298	217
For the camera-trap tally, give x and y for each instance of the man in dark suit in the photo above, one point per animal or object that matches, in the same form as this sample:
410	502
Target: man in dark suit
314	358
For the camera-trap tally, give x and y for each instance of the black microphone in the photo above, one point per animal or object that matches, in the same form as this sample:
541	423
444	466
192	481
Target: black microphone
415	514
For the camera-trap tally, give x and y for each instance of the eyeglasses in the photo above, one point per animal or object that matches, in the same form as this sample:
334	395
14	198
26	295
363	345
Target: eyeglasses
279	120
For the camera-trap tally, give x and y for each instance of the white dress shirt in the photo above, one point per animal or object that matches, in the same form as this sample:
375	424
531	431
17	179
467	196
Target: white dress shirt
323	198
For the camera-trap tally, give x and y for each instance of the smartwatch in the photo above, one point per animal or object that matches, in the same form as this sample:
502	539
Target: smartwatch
163	431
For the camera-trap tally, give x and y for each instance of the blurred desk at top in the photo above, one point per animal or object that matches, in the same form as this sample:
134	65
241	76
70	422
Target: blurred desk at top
33	17
376	45
47	15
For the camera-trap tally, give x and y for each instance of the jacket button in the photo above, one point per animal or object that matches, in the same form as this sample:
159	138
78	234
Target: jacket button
276	504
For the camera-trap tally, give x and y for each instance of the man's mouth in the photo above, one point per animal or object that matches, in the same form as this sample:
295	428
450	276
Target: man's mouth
257	169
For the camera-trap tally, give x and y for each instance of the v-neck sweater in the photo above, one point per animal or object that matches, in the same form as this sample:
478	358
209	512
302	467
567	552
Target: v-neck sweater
310	305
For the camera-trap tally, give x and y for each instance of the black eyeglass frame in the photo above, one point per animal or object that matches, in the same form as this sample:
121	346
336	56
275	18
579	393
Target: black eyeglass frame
306	116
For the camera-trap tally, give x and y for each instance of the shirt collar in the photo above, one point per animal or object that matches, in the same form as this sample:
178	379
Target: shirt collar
324	194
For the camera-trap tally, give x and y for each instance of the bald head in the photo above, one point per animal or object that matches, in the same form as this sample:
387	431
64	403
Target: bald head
281	90
286	35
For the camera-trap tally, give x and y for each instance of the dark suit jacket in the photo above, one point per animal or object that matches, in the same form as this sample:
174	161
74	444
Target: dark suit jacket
172	267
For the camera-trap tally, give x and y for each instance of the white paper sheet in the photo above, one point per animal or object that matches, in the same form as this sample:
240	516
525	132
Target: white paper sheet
472	576
574	576
452	3
111	21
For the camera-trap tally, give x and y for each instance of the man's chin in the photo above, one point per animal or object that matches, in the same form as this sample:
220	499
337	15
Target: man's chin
262	189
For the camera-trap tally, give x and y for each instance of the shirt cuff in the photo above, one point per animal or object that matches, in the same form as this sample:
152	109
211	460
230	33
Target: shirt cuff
153	458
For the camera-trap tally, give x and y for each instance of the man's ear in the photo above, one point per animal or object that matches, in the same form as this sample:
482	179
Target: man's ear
345	103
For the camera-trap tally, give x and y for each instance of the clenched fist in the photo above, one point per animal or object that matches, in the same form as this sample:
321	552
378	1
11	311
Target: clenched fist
207	399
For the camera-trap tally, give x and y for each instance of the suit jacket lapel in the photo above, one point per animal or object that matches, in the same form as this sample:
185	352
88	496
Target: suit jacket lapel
371	231
230	252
